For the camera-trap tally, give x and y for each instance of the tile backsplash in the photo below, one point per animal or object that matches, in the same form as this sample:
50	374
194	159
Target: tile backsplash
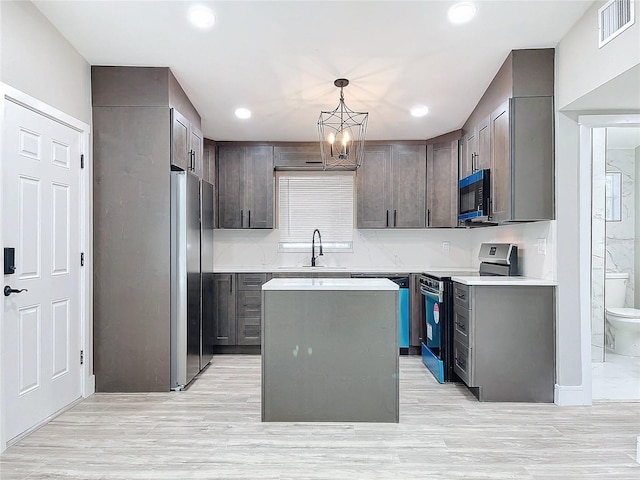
390	249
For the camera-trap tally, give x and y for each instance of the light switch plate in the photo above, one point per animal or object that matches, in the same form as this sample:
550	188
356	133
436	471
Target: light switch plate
542	246
446	246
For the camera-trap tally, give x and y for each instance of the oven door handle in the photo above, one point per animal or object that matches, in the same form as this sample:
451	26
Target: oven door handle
435	295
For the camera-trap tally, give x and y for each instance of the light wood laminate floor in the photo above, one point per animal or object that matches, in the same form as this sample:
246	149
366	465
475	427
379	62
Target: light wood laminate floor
213	431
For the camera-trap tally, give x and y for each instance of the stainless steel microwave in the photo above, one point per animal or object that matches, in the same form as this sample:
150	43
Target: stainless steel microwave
473	192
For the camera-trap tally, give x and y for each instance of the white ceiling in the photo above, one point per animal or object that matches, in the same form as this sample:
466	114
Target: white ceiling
280	58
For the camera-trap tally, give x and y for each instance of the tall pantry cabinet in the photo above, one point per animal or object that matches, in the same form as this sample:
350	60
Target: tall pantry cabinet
133	113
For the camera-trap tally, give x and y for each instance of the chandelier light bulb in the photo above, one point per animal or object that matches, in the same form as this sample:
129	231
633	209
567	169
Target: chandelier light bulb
344	127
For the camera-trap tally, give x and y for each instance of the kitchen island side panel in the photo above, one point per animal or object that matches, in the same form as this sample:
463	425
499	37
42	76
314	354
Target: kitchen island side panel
131	248
330	356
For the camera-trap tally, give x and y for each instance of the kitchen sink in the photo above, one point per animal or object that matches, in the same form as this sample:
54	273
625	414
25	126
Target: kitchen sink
309	267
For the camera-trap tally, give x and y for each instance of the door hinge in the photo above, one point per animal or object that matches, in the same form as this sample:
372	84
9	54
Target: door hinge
81	357
82	259
82	160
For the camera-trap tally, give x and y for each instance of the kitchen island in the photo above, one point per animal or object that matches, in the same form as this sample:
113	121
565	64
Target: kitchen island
330	350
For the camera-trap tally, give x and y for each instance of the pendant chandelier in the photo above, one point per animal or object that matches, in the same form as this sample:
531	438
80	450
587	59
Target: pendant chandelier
342	133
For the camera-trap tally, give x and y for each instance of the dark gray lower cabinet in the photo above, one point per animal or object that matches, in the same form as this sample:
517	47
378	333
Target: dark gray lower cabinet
238	307
225	309
249	307
504	341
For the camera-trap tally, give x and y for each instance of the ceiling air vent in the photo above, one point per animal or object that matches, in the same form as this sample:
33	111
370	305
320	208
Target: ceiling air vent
613	19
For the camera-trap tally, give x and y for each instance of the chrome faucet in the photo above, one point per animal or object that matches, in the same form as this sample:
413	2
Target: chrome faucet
313	247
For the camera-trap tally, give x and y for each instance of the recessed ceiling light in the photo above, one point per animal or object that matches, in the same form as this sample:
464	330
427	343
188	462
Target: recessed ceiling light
461	12
243	113
201	17
419	110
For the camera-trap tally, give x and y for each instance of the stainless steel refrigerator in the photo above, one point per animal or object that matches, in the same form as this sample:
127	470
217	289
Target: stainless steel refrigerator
206	266
186	286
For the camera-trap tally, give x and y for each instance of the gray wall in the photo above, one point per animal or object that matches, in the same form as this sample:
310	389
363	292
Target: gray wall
581	66
580	69
37	60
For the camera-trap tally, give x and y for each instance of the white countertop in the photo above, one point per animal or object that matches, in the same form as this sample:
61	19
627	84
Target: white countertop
340	284
510	281
333	269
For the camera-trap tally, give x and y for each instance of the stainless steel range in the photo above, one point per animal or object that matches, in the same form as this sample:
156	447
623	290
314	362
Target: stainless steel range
436	287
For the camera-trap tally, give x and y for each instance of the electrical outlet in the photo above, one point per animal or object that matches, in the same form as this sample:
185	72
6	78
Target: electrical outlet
446	246
542	246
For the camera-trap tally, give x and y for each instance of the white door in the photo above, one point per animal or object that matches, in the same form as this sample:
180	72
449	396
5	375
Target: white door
41	220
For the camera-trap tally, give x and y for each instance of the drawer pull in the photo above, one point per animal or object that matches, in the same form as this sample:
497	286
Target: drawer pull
462	365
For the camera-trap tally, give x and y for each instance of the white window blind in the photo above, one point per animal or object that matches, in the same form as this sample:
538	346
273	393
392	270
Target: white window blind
307	202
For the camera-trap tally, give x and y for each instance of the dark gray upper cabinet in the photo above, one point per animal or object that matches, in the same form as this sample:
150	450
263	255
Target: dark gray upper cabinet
299	156
442	180
245	186
196	149
373	180
392	187
180	140
476	149
186	144
516	142
467	155
522	160
208	161
408	188
500	166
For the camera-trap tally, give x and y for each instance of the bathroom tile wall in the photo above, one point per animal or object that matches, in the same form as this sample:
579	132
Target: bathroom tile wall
637	233
620	236
598	251
613	242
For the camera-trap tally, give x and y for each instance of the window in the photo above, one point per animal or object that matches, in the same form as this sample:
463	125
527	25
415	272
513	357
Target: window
309	201
613	197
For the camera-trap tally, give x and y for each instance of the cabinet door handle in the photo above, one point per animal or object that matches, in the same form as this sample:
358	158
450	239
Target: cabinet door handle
395	217
249	218
231	283
428	217
387	218
241	218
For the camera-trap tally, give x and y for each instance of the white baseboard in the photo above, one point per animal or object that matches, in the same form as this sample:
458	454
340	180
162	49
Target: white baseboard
570	395
90	386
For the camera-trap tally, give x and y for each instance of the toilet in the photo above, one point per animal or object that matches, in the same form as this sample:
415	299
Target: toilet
623	324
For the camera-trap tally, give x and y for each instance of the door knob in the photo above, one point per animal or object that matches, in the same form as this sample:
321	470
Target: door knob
8	290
